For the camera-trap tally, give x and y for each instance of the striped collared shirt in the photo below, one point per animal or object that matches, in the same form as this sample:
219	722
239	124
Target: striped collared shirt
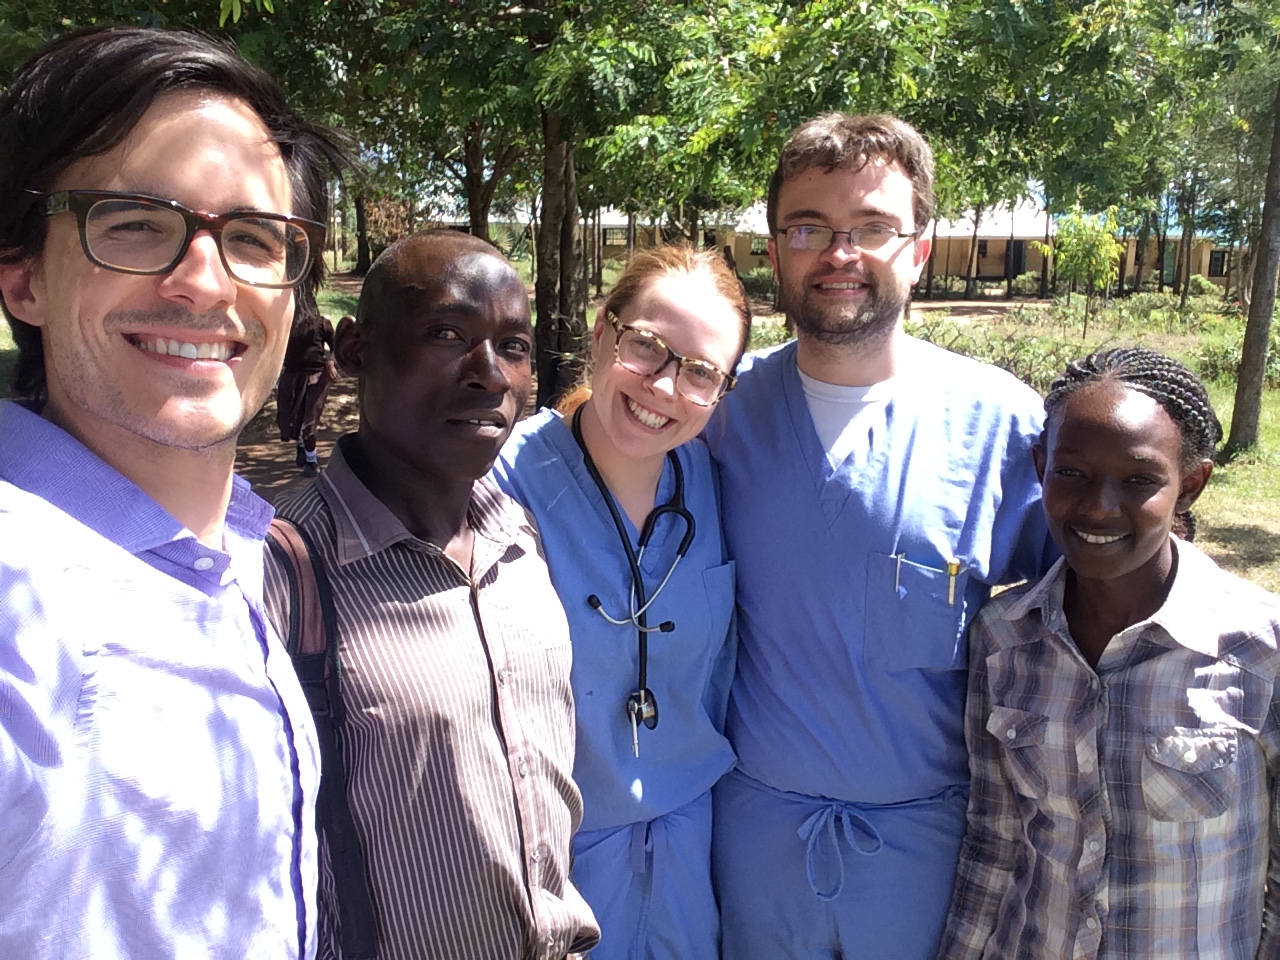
1126	812
459	731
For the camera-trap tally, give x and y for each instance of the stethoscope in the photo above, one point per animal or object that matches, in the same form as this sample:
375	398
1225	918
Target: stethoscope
642	706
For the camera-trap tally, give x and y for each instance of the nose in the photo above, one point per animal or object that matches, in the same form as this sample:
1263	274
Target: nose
200	279
1101	500
840	251
482	370
663	380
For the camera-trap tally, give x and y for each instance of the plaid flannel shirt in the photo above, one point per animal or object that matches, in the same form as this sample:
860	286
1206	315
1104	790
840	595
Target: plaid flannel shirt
1129	811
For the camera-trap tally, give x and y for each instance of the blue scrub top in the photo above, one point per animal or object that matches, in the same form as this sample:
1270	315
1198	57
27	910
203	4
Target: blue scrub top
851	677
690	669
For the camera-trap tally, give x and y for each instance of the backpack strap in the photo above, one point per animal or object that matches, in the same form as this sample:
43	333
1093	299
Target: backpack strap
313	645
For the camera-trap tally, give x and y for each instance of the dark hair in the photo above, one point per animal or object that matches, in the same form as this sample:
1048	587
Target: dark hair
844	141
650	264
81	94
397	272
1165	380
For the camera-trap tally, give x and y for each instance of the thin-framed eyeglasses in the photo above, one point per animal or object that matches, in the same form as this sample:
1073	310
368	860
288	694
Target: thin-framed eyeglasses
646	354
812	236
135	233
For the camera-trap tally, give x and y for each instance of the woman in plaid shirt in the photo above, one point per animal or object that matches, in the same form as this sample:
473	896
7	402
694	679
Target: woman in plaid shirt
1122	720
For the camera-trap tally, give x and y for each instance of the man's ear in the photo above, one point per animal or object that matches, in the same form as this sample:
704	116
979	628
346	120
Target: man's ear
1040	458
771	248
22	291
1193	483
923	245
349	343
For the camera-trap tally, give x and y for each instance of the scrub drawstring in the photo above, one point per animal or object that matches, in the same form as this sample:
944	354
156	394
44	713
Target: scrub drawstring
645	836
819	833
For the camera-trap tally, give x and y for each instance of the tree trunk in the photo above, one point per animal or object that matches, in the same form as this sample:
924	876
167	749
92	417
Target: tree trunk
971	270
1189	241
1121	274
1257	333
548	334
364	259
597	260
631	233
1008	261
1140	252
1044	260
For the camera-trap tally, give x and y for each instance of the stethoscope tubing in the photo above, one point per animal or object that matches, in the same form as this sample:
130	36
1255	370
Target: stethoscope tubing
639	602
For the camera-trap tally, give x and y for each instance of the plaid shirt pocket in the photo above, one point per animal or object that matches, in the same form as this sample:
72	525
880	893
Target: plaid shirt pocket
1189	773
1021	737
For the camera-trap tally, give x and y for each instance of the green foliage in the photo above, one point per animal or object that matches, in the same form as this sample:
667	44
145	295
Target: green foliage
1027	284
1085	250
1035	359
1218	357
759	282
1202	286
764	335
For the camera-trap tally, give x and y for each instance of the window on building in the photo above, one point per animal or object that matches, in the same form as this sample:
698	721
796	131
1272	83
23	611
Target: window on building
615	236
1218	263
759	246
982	248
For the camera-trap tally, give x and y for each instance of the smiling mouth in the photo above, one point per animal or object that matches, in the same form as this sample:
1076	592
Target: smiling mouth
1096	538
654	421
842	285
221	350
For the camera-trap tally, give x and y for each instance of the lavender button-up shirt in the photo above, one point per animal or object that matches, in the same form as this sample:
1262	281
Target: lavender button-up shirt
158	764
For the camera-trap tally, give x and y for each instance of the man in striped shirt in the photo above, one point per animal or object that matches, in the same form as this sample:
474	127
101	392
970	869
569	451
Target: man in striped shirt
454	649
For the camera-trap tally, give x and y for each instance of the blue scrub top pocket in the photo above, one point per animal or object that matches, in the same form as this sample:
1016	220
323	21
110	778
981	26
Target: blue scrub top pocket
914	616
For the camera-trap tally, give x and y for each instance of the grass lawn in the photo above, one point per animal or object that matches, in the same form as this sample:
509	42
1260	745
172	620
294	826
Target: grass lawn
8	357
1239	512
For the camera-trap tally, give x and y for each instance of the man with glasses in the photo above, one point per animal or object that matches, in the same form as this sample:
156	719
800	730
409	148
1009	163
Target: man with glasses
874	488
159	203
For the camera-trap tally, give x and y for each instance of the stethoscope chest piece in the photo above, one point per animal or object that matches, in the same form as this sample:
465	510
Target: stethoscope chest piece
642	707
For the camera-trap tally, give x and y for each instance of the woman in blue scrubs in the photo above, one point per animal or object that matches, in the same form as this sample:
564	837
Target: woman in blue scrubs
625	497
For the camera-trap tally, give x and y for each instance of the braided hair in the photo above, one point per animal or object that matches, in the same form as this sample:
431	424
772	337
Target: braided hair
1165	380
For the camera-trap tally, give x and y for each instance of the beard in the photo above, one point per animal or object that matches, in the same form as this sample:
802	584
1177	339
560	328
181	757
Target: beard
837	324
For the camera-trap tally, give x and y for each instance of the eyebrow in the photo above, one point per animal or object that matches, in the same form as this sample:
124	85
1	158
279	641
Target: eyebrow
809	213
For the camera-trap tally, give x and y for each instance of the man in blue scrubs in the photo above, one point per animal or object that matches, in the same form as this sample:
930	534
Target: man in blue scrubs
874	488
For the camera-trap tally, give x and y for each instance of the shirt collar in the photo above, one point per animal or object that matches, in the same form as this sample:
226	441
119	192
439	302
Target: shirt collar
365	525
1184	617
43	459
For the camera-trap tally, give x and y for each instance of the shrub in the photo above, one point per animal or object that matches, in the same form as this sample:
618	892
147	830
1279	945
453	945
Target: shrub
1035	360
1218	357
758	282
1027	284
1203	287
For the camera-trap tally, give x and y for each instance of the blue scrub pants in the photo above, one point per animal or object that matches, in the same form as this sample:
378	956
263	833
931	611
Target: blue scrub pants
649	885
808	878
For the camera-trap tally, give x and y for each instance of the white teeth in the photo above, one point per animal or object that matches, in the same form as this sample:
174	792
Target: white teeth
188	351
655	421
842	286
1095	538
484	423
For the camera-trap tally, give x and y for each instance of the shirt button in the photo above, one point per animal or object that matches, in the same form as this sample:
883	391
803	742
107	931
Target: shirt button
1094	845
1091	923
1011	733
523	768
204	563
1190	755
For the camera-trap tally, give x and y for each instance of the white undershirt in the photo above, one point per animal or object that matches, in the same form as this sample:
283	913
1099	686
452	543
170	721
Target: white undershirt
841	415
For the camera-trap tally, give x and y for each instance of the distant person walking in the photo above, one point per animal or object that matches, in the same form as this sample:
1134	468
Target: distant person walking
304	381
